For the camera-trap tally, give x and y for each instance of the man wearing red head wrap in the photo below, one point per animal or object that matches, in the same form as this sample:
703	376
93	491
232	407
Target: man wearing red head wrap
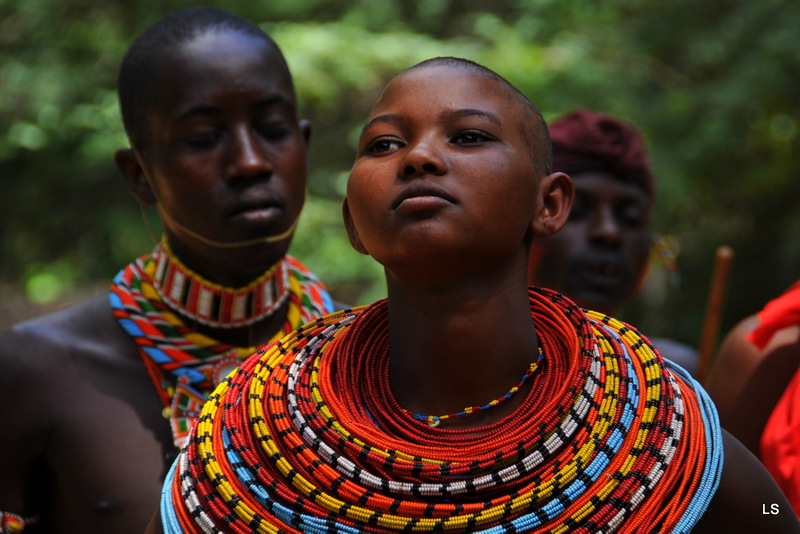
600	257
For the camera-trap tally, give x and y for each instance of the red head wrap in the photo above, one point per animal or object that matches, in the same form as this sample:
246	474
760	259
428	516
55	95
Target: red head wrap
586	140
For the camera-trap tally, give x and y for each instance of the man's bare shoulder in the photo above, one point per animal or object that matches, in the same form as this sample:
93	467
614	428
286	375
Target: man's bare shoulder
79	338
85	326
76	400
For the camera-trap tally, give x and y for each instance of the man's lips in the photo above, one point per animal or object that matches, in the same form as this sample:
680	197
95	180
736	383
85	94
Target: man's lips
604	270
422	193
265	208
263	215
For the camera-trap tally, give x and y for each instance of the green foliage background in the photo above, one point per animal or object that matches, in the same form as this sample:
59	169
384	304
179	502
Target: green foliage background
714	86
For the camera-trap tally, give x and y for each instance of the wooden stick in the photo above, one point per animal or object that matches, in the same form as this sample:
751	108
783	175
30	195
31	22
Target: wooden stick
714	307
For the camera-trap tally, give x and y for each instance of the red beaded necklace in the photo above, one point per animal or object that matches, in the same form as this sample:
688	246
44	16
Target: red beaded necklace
307	436
362	378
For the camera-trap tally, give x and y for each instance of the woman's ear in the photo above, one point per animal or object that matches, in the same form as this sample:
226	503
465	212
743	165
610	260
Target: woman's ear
556	193
131	170
352	232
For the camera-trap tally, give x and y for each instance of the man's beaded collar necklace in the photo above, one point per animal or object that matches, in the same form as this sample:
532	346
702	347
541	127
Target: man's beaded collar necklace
184	364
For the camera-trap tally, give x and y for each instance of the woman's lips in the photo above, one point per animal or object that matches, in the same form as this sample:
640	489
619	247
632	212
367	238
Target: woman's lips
422	195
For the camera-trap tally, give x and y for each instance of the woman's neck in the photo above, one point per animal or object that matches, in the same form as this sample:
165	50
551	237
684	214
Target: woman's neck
459	345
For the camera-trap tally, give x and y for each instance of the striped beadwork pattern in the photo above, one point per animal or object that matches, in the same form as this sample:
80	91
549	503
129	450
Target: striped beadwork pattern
215	305
185	365
306	436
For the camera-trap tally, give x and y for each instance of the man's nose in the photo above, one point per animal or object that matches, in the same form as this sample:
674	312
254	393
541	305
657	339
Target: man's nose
249	157
605	227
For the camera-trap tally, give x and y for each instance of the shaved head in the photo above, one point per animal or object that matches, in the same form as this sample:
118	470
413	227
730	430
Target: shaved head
533	125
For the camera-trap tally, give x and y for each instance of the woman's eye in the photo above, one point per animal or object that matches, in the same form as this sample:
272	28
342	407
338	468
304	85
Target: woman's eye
470	138
382	146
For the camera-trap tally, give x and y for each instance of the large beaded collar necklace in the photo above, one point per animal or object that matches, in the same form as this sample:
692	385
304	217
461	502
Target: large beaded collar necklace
307	436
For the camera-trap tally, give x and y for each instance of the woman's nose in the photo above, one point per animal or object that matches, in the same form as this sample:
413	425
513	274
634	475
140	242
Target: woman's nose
423	157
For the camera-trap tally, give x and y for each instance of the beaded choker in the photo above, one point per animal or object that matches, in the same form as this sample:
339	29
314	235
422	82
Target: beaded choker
212	304
434	420
186	365
307	436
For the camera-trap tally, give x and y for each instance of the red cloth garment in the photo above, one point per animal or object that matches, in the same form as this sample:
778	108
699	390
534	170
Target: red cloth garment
780	440
780	443
778	314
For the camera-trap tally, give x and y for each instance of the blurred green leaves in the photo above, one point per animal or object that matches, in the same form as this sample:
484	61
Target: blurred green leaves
714	86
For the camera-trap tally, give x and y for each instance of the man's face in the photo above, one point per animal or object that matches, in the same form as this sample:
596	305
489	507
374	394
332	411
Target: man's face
443	170
226	156
599	257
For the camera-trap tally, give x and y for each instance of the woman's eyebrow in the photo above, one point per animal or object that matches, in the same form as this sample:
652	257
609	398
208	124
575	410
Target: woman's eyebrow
456	113
388	118
471	112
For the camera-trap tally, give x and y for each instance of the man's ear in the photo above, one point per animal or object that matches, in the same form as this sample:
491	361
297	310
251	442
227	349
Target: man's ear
133	174
305	130
556	193
350	226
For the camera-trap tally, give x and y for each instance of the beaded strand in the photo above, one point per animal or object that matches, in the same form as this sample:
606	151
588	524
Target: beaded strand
13	523
434	420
